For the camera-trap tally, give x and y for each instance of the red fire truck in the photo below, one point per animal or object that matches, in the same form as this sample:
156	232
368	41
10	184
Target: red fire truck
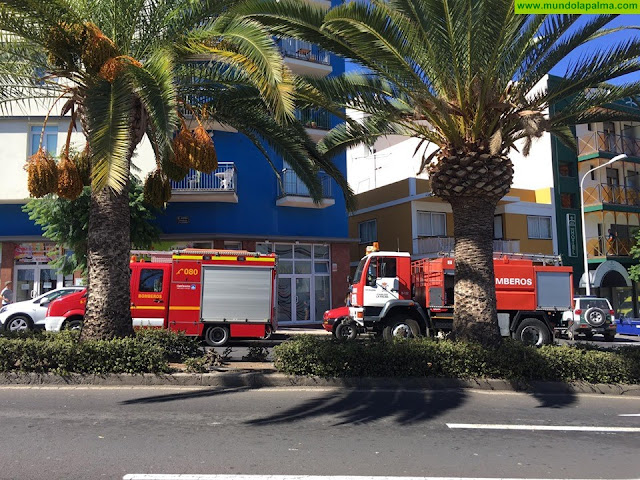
393	296
214	294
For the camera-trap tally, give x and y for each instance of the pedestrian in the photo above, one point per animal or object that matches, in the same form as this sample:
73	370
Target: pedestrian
7	294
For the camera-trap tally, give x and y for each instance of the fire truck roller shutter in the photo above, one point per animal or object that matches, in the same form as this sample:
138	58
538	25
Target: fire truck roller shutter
236	294
554	290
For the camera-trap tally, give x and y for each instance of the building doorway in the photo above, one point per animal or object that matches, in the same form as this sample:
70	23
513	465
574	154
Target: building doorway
33	280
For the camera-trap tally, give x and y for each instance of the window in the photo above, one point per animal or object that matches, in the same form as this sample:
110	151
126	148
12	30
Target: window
232	245
49	140
432	224
566	170
498	233
613	178
593	173
567	200
151	280
368	231
539	227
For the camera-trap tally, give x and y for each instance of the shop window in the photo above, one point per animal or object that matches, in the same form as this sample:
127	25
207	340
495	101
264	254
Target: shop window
151	280
539	227
368	231
228	245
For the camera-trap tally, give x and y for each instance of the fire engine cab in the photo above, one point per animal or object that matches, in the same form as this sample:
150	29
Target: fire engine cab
394	296
214	294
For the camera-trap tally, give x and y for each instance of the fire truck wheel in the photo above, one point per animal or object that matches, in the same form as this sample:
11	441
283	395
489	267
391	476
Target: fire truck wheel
75	324
532	331
268	331
401	328
216	335
346	331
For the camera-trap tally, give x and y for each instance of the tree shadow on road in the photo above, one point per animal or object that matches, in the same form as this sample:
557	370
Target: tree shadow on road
555	400
366	406
210	392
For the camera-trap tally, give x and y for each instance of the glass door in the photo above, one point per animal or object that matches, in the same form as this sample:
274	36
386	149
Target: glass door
48	280
25	282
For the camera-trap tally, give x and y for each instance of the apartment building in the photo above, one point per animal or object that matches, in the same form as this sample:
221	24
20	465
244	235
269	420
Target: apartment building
239	206
405	216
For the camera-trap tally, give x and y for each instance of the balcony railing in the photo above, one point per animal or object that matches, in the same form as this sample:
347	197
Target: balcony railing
595	142
436	245
603	246
613	194
303	51
223	179
314	118
293	185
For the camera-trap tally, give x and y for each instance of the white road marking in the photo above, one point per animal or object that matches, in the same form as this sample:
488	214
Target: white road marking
151	476
558	428
629	415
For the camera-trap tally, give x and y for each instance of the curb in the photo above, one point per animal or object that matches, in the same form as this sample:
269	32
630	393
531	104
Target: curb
269	377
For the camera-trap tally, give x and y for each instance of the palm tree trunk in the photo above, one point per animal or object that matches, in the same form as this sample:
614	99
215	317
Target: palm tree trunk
108	312
474	316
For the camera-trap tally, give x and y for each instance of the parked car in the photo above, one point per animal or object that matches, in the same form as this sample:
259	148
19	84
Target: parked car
30	314
590	315
337	322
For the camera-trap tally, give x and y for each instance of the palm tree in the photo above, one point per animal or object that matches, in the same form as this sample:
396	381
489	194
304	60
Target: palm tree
463	76
126	69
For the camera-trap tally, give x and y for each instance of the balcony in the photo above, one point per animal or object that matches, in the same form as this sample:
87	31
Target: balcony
305	58
218	186
602	246
602	142
434	246
612	194
294	193
317	121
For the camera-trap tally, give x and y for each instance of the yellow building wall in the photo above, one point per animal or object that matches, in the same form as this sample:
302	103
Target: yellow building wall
394	229
515	228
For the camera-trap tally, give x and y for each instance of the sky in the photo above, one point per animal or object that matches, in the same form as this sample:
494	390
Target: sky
622	20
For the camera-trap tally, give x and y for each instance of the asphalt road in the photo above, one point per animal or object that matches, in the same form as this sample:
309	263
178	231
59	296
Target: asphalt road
91	433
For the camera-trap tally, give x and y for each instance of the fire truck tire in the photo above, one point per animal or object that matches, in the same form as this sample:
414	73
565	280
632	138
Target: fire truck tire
73	324
268	331
216	335
346	331
400	328
532	331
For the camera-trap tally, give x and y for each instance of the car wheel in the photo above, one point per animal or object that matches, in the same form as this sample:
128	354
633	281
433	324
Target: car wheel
532	331
405	328
73	324
19	323
216	335
346	331
608	337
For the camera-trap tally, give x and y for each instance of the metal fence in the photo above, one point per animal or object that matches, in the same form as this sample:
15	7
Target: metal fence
223	179
293	185
435	245
615	194
595	142
303	51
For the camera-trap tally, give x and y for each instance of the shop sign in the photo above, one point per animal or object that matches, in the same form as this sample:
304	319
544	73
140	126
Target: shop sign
36	252
572	235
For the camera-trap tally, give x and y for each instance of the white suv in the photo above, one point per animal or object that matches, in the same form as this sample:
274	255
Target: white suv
590	315
30	313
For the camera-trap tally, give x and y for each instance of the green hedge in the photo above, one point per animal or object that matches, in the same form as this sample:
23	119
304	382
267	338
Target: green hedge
147	352
309	355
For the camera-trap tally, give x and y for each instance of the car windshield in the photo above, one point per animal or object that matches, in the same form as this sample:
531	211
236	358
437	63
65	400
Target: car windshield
586	303
358	274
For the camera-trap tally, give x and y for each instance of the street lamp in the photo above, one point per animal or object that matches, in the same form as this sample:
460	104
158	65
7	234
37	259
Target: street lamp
587	280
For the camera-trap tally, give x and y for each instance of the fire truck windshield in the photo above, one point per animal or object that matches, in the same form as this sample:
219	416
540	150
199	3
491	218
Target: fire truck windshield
358	274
